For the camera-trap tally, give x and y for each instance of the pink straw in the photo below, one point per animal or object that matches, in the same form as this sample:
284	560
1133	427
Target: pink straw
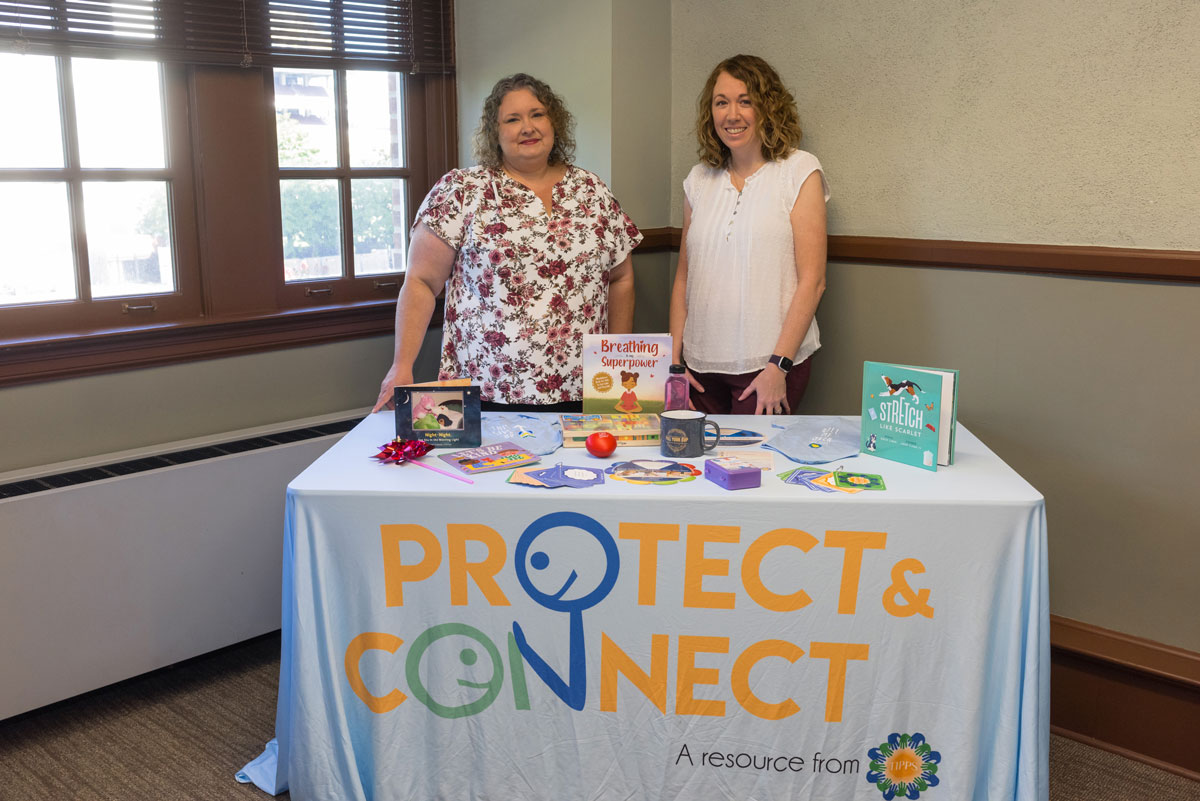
463	479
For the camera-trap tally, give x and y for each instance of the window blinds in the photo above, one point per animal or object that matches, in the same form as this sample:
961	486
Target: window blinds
413	36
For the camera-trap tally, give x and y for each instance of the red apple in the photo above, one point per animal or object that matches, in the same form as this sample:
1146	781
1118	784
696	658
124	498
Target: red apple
601	444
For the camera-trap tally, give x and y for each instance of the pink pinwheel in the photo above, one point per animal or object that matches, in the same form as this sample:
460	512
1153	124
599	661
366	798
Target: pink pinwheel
403	450
399	451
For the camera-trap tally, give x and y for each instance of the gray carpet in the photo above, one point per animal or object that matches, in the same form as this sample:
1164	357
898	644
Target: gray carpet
182	732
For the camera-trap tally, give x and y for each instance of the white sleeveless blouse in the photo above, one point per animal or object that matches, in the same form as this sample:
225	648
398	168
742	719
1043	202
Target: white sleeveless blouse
742	265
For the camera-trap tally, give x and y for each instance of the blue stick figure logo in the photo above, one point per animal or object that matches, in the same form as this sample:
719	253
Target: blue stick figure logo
573	692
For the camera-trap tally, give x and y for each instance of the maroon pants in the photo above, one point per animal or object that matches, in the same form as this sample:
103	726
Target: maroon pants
721	391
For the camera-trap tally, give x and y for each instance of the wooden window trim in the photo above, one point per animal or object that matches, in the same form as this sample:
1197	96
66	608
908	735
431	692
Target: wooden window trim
242	312
350	287
237	307
83	312
35	360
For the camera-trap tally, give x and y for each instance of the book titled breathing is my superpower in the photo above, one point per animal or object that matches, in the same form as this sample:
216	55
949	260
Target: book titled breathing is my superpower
909	414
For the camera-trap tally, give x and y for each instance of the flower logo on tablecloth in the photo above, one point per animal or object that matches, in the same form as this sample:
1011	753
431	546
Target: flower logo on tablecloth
904	766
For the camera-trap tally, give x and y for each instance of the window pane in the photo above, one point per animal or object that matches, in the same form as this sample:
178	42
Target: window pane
29	93
306	119
36	262
312	229
118	110
376	117
379	225
129	238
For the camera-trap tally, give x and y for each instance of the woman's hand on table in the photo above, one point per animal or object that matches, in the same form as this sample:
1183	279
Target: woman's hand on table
770	387
395	378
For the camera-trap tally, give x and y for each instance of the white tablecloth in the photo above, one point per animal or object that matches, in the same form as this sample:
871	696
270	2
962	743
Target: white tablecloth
772	643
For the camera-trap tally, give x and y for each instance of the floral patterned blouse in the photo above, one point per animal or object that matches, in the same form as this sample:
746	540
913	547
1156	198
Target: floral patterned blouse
526	285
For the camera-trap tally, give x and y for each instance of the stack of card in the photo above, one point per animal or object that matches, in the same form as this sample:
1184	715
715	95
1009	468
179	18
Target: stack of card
560	475
833	480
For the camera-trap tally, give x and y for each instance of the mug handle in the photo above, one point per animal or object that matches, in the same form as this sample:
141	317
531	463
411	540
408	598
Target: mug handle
717	429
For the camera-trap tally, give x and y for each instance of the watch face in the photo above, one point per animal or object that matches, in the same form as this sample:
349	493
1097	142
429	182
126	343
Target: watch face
784	362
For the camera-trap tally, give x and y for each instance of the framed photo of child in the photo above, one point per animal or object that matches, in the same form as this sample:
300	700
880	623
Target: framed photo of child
443	416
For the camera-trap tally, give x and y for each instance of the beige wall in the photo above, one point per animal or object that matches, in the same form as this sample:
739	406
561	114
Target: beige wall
567	45
65	420
641	142
1012	121
998	120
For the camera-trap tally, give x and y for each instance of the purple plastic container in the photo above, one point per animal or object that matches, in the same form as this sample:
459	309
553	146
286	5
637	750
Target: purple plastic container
732	473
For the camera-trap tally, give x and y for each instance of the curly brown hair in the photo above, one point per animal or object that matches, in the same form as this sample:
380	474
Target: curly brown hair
487	135
778	120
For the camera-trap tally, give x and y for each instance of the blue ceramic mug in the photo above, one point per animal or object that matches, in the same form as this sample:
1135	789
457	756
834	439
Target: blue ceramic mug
681	435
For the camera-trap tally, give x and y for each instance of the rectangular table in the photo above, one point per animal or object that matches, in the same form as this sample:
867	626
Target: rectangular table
492	641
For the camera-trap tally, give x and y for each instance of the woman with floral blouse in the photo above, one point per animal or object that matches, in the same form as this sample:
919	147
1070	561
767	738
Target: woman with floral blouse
533	253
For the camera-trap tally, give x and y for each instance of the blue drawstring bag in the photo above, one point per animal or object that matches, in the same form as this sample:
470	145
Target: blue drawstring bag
816	440
534	433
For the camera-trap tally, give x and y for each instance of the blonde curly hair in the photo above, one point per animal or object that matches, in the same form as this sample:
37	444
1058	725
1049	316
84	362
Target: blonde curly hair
486	145
774	106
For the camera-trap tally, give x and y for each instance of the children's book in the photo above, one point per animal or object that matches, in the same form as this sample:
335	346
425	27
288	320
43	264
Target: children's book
625	373
629	429
909	414
498	456
444	414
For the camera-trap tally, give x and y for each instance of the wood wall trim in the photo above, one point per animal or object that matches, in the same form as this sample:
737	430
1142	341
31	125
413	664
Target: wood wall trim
657	239
23	362
1125	650
1132	696
1077	260
1073	260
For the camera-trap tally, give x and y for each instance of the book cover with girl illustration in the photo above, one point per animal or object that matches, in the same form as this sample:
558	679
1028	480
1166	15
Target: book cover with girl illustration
625	373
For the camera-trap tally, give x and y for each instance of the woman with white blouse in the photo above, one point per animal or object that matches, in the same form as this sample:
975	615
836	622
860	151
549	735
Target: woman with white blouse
752	262
532	251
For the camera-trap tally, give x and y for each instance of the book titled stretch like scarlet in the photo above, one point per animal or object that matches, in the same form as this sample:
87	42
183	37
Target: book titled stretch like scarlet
909	414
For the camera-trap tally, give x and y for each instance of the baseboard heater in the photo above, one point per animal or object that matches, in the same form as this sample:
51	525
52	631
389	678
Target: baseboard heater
115	567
